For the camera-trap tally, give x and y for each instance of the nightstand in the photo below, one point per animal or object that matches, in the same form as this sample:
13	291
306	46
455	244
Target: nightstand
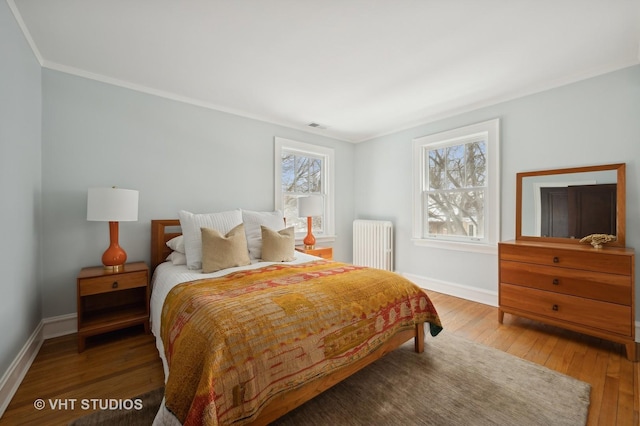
323	252
109	301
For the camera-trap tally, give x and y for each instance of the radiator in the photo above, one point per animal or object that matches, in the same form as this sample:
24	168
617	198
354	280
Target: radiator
373	244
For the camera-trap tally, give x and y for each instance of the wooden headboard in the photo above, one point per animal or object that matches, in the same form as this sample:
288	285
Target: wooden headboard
159	238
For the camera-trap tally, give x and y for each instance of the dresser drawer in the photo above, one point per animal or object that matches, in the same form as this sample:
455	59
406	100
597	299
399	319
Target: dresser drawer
97	285
568	258
609	317
593	285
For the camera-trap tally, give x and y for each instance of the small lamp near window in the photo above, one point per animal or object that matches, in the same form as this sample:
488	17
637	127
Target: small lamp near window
113	205
308	207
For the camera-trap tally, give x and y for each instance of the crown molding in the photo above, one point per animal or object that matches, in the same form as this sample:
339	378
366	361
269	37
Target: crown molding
25	31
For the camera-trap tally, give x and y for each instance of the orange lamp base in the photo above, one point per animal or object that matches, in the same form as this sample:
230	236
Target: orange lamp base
309	241
114	257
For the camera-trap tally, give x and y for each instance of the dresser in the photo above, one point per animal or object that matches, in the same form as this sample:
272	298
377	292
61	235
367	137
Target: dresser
572	286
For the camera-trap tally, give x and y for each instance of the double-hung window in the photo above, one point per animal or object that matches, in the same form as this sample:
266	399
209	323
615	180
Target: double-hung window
456	188
302	170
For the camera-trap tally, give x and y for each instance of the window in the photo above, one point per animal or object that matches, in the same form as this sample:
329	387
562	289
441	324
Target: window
300	170
456	188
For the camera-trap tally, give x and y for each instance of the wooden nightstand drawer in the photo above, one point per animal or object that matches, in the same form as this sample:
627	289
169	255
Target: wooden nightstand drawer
107	284
323	252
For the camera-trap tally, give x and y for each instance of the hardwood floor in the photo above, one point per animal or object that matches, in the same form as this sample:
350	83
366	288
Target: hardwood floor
119	365
123	365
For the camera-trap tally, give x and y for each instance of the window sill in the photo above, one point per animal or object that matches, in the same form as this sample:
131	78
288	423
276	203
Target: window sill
457	246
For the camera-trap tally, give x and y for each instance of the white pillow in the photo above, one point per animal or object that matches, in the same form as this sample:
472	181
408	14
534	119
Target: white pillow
176	244
177	258
191	223
252	223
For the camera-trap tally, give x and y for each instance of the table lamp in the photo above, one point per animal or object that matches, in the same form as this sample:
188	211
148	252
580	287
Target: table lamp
113	205
308	207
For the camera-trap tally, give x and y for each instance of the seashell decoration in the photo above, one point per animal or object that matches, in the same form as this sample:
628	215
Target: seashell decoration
597	240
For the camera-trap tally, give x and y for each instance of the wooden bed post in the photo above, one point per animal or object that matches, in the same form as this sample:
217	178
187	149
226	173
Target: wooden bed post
419	339
159	238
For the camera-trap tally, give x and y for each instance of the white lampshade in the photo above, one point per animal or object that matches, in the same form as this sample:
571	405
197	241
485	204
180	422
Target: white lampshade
112	205
310	206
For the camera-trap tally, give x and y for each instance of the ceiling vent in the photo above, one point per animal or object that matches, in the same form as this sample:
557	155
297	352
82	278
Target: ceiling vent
317	126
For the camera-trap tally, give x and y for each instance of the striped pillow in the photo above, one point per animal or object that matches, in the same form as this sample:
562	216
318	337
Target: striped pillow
191	223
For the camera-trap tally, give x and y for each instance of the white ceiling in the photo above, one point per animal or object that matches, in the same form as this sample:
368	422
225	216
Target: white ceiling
360	68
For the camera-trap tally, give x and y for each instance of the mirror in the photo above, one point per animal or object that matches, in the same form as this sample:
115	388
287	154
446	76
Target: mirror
564	205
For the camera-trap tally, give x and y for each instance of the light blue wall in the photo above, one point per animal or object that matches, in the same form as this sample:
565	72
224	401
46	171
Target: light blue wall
20	168
177	155
596	121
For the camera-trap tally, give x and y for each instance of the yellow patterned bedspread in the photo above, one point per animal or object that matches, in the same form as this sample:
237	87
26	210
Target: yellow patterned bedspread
235	342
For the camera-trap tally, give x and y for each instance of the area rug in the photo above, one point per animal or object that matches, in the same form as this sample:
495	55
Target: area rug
454	382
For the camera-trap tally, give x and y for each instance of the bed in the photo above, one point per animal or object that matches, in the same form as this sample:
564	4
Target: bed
235	373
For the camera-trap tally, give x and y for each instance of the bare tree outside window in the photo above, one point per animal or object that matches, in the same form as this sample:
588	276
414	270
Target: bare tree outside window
455	192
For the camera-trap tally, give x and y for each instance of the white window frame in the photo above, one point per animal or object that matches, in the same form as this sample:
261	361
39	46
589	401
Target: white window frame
328	186
490	131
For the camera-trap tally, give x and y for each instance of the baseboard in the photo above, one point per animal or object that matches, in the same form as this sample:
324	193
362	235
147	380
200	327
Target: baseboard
18	369
474	294
47	329
60	325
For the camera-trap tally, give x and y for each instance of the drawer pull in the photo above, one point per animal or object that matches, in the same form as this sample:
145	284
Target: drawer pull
115	284
556	259
556	281
554	307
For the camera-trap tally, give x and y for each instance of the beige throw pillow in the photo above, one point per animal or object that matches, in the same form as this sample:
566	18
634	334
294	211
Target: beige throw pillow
224	251
278	246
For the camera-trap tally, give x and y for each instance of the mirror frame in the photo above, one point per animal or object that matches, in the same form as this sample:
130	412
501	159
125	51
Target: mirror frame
620	202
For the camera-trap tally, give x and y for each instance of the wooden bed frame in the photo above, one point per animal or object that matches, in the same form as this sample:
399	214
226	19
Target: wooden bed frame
293	398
